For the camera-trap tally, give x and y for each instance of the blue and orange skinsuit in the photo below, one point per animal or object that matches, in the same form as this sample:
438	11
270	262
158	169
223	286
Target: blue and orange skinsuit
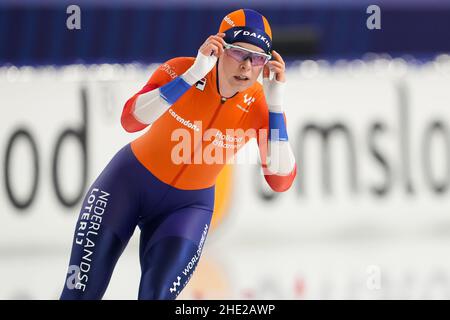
171	202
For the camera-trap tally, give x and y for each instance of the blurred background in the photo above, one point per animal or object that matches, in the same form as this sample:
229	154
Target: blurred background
367	103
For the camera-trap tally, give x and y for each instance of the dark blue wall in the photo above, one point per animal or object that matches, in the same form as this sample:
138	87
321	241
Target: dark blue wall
38	35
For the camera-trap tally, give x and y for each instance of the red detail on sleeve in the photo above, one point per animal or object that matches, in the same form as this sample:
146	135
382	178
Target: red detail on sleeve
280	183
129	122
162	75
148	87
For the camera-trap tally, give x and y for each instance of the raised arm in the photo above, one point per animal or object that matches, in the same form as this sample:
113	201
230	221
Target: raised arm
168	83
277	158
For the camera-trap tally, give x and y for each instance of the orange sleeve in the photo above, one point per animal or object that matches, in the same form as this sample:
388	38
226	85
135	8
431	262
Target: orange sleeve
162	75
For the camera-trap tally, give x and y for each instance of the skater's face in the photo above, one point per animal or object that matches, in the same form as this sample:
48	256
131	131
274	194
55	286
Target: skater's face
240	69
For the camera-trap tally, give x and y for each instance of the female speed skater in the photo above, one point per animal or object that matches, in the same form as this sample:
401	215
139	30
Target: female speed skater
164	180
